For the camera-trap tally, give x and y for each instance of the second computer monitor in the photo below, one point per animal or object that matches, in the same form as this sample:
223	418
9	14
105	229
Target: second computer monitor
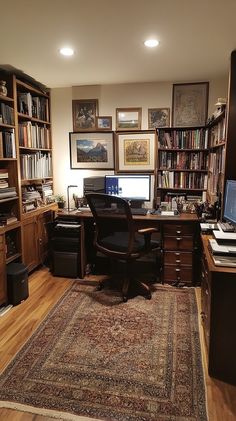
135	187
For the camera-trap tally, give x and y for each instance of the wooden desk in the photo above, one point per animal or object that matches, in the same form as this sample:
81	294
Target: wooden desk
218	302
179	237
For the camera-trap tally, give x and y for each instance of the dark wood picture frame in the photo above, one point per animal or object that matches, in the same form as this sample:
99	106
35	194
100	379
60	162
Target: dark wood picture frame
92	150
104	123
84	112
190	104
136	151
158	117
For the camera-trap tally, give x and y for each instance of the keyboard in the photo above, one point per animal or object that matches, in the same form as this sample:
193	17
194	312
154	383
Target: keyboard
139	211
226	227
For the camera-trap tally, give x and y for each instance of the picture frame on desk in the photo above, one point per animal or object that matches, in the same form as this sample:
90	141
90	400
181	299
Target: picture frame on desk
94	150
136	152
84	112
128	119
190	104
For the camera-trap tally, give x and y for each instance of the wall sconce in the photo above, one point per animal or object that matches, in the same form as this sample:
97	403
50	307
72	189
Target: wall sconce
68	196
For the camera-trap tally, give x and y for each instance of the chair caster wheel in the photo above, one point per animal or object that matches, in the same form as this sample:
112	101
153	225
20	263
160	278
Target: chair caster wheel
99	287
125	299
148	296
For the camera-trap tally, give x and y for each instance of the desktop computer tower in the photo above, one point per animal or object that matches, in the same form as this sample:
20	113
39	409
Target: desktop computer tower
17	283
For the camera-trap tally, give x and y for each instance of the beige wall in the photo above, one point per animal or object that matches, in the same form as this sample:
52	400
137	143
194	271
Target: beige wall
110	97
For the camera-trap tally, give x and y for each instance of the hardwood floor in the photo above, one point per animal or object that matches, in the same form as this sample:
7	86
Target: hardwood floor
17	325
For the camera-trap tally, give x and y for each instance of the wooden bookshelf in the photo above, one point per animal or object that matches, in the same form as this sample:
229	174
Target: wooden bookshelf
182	161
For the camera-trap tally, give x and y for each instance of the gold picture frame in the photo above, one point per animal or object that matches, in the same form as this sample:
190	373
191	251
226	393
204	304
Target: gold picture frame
128	119
136	152
84	112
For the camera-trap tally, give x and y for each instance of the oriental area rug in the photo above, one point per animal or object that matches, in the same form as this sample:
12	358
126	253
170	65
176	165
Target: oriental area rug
95	357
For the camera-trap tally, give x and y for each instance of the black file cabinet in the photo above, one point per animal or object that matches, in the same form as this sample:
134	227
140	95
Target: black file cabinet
65	248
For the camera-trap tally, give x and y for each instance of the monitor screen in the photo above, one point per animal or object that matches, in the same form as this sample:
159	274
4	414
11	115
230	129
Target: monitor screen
130	187
230	201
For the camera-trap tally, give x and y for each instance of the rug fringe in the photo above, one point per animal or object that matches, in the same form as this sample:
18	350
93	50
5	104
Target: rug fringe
46	412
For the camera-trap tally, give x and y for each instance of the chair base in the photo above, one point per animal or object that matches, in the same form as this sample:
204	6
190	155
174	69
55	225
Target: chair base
130	289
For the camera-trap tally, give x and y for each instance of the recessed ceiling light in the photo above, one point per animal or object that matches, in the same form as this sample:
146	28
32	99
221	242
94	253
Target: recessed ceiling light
66	51
151	43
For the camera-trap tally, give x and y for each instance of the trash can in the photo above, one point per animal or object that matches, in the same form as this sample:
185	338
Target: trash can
17	283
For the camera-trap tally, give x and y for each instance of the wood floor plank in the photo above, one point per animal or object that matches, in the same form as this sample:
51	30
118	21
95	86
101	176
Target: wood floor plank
19	323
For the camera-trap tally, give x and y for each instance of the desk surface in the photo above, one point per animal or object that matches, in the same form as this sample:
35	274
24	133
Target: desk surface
183	217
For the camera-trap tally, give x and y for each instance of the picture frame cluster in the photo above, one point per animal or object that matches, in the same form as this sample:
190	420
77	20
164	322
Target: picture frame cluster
93	144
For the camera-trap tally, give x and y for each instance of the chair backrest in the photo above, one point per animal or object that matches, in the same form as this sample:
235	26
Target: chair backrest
112	217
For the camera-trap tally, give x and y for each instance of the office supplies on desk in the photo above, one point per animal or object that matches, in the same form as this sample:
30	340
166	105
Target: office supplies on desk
208	228
222	236
228	261
220	249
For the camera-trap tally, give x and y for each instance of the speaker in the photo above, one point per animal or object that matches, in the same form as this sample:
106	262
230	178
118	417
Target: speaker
17	283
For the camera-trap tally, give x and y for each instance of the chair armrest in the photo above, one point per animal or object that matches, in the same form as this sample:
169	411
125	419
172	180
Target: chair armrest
147	230
147	233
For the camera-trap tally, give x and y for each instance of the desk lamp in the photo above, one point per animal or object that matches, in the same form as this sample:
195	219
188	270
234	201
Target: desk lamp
68	195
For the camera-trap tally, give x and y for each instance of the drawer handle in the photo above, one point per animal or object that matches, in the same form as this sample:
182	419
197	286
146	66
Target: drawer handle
177	254
178	261
177	270
178	238
178	232
207	293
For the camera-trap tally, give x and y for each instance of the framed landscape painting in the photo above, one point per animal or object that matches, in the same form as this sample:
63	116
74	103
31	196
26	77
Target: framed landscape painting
92	150
84	113
136	151
158	117
190	104
104	123
128	119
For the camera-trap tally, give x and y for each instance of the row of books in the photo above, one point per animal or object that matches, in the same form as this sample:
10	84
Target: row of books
36	165
183	160
7	144
34	136
182	139
3	173
7	114
33	106
181	180
7	192
217	133
216	169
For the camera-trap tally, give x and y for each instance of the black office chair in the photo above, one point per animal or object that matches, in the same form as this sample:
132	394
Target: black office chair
116	237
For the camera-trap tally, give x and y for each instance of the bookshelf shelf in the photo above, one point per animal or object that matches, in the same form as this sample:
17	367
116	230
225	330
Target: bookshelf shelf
12	258
182	162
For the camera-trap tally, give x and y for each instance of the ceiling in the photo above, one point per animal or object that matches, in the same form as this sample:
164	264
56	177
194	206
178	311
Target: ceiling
196	39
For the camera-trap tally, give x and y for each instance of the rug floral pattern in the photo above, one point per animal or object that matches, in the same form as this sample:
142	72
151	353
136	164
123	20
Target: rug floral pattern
99	357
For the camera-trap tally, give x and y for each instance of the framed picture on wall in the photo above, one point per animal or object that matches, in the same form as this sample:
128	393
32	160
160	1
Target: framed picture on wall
84	112
136	152
104	123
128	119
190	104
158	117
92	151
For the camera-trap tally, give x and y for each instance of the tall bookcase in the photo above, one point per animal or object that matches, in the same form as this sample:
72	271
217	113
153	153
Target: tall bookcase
182	162
216	133
26	177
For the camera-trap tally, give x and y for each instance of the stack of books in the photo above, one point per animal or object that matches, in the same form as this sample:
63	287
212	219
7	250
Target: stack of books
7	192
7	219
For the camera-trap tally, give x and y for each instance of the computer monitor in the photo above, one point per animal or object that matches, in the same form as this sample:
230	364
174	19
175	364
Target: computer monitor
230	202
135	188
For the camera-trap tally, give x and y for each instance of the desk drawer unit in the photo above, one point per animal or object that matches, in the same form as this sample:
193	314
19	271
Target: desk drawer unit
178	244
